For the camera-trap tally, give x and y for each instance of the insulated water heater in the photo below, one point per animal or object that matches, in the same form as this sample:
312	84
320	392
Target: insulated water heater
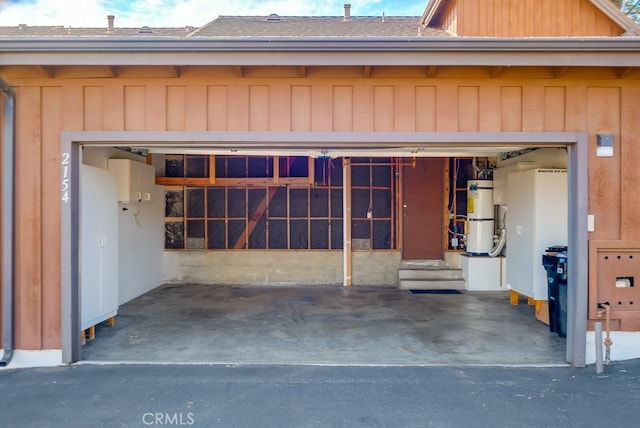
480	222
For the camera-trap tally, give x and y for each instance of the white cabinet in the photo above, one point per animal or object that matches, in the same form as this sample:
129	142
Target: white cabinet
98	245
536	219
135	180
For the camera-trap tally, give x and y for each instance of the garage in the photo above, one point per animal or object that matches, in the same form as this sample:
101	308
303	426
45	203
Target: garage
274	164
315	316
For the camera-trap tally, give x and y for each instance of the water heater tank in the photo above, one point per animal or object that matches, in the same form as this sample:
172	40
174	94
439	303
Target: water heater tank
480	217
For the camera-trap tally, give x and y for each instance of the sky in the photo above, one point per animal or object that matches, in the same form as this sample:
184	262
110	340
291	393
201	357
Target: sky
179	13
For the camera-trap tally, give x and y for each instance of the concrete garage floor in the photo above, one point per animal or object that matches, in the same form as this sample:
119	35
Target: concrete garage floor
327	325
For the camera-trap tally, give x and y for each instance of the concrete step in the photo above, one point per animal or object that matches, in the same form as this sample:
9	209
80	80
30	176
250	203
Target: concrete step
423	264
430	274
431	284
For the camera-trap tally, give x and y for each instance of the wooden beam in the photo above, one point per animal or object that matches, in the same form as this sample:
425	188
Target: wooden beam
239	71
174	70
624	72
495	72
560	71
346	213
311	171
255	218
431	71
367	71
276	169
48	70
231	182
212	169
303	71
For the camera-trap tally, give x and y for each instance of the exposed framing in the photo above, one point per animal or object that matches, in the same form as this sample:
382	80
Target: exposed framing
355	142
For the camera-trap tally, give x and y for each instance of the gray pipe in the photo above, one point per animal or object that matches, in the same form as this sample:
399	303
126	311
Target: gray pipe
599	363
8	206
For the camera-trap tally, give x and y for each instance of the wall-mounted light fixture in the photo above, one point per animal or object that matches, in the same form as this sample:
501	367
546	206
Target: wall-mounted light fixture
604	145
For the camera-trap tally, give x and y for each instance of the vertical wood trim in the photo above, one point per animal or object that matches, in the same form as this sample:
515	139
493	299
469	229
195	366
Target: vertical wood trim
629	156
212	169
176	108
28	211
301	108
196	108
50	215
93	111
217	108
346	227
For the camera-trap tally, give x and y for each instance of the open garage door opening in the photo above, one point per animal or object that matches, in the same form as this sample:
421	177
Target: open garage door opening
244	258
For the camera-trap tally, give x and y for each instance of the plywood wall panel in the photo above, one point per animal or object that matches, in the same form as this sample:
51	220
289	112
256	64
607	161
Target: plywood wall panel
238	103
383	108
629	159
28	211
343	108
217	108
511	108
532	108
280	107
176	108
554	108
603	116
301	108
134	108
490	110
468	109
576	110
113	106
259	107
155	107
362	108
405	105
322	107
196	108
93	111
52	125
73	101
425	108
447	108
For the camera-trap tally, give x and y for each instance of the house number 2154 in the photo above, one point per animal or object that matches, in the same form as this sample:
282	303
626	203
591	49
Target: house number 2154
65	176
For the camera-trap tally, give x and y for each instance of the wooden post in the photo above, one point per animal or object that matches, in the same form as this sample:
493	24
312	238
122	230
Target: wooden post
212	169
346	214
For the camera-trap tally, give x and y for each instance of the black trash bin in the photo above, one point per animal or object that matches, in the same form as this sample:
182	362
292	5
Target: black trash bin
555	263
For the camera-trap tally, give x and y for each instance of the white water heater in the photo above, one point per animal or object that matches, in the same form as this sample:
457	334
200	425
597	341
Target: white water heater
480	229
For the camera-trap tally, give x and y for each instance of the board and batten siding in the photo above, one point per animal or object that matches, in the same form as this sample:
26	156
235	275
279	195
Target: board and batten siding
472	101
526	18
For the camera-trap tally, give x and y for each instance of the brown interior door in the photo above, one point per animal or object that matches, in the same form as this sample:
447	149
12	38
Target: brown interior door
423	199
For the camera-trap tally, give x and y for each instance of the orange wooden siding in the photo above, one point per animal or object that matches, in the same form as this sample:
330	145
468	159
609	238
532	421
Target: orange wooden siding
526	18
47	107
